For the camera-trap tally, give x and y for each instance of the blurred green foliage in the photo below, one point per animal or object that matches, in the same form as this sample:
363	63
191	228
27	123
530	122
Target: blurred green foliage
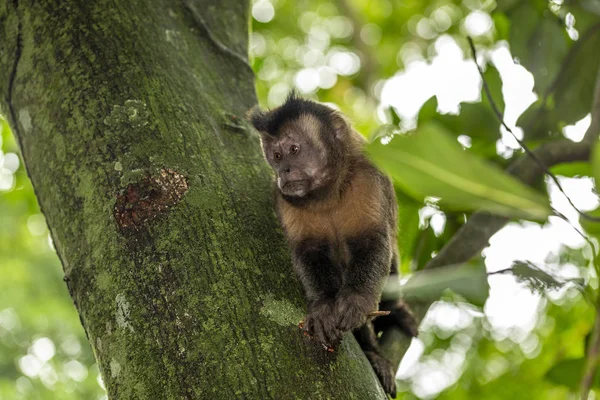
44	353
351	53
432	163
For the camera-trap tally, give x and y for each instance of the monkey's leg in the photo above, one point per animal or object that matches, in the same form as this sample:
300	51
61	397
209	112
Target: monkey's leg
365	336
321	280
363	278
399	316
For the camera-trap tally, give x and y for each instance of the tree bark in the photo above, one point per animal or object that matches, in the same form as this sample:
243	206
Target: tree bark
129	115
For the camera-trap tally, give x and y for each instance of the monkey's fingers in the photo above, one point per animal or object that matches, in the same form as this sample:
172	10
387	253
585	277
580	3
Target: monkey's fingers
305	328
325	346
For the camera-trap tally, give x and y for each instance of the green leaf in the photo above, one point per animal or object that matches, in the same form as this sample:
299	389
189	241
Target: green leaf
585	13
574	90
431	163
566	372
591	227
494	83
408	228
476	120
468	280
506	5
573	170
538	280
426	244
486	150
571	93
502	25
569	372
592	6
536	123
395	117
539	41
595	161
428	111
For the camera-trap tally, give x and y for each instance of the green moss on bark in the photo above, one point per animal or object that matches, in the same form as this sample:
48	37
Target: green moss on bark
198	301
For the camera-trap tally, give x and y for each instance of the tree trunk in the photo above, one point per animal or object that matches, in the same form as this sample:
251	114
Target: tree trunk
129	115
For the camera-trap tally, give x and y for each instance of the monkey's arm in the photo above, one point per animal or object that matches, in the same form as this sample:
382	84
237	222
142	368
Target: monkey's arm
321	280
370	257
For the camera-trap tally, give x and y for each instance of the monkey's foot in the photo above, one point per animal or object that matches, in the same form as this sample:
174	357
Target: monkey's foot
320	322
325	346
384	371
352	311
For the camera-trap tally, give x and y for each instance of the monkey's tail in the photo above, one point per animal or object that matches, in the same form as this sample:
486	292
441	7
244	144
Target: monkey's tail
400	316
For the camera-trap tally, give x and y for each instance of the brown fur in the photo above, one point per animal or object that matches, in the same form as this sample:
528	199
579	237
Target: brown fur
341	216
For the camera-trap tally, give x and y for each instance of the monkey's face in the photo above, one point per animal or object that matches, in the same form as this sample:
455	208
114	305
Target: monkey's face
298	157
303	141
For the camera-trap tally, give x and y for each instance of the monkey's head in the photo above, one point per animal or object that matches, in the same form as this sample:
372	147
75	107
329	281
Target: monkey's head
306	143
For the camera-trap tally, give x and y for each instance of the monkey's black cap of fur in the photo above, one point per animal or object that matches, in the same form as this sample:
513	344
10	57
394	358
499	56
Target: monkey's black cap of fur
270	122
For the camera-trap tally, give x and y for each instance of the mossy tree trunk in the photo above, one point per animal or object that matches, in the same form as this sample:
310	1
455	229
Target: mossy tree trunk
129	115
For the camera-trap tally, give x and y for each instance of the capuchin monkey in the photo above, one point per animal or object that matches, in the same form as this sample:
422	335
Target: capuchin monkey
339	214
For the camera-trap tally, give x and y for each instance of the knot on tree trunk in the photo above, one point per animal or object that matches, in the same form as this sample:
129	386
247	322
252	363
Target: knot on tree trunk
140	202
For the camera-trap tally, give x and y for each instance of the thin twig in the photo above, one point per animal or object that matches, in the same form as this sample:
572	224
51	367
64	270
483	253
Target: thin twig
375	314
502	271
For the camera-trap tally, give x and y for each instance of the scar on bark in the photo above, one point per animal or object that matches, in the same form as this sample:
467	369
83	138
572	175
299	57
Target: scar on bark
140	202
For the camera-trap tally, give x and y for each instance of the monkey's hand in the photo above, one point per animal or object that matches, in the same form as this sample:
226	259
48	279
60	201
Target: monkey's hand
320	322
352	310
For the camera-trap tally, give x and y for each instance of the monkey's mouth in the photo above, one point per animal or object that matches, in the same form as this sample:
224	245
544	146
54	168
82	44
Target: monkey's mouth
297	188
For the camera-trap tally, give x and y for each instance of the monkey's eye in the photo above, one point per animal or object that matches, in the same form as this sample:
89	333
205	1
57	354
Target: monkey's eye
294	149
277	156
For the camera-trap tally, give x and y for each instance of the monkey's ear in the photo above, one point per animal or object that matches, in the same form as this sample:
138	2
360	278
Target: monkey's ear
341	126
258	118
